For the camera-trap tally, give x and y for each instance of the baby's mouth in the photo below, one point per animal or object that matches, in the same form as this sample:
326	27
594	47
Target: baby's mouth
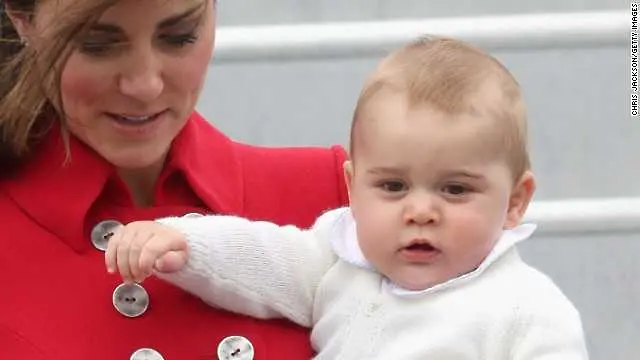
419	251
420	247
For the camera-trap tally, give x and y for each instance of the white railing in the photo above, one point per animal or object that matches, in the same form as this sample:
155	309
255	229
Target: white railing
356	39
608	215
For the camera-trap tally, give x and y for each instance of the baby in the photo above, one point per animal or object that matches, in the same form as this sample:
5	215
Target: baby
423	263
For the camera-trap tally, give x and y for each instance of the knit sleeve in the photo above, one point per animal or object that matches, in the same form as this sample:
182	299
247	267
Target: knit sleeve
550	330
254	268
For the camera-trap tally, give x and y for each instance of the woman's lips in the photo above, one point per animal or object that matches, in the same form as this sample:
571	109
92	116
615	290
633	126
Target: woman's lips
135	120
137	125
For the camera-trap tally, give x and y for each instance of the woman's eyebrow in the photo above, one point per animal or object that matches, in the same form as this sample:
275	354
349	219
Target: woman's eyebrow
106	28
176	19
166	23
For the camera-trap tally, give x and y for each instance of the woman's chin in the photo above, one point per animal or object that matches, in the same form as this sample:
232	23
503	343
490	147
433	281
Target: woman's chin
137	159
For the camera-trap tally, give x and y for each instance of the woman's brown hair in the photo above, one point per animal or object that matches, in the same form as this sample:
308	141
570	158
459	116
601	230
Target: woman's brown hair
29	75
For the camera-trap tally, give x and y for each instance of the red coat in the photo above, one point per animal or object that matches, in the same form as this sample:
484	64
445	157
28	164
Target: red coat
55	294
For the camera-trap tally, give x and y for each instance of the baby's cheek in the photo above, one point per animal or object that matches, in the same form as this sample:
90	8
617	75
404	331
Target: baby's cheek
470	217
375	240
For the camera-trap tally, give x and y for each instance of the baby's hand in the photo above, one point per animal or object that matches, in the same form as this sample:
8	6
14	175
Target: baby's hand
140	247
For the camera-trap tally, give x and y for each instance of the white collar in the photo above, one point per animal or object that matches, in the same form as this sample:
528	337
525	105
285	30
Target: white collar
345	244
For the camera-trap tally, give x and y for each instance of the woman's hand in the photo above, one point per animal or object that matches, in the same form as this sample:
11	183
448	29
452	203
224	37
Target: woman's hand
139	248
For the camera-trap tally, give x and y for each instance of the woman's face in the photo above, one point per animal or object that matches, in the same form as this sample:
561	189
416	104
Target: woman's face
134	79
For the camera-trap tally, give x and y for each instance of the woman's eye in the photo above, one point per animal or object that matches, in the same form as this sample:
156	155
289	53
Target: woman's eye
105	47
180	40
97	48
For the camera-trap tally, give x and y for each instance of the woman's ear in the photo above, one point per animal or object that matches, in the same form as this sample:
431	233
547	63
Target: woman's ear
520	199
347	167
21	21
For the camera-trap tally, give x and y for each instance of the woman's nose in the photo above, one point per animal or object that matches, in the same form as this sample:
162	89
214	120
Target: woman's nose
142	80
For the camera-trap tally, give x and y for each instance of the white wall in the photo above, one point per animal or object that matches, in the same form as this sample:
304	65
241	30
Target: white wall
252	12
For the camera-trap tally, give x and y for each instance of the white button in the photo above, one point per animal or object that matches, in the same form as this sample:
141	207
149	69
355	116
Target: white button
101	233
192	215
373	307
131	300
235	348
146	354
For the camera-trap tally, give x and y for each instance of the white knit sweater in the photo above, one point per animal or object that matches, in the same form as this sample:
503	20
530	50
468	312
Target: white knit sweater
318	278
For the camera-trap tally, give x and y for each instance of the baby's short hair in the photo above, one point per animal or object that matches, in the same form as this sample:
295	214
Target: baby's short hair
450	75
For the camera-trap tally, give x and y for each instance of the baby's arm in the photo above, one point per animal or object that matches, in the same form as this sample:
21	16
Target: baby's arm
550	330
252	267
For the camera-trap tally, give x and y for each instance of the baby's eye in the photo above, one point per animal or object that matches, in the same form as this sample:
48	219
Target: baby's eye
455	189
393	186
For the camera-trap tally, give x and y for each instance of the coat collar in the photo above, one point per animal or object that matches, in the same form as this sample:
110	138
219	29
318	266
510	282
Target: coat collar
58	195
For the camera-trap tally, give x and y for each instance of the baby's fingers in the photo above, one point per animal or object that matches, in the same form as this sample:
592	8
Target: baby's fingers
128	254
110	255
141	241
171	262
160	248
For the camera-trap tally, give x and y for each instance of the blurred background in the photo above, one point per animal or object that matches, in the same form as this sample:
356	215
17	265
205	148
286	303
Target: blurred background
288	73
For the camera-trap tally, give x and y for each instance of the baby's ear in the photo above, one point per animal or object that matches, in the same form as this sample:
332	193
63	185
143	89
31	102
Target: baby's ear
347	167
519	200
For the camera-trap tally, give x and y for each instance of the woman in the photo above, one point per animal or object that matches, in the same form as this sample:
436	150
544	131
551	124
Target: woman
97	129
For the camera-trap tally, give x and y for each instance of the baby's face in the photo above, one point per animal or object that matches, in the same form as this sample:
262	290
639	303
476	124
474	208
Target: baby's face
429	193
